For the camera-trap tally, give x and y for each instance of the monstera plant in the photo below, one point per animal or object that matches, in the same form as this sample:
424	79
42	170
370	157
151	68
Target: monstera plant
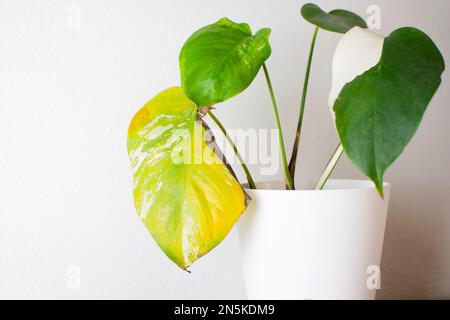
185	192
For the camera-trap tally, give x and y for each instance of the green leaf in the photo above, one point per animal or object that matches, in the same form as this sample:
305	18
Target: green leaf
339	20
185	195
221	60
378	113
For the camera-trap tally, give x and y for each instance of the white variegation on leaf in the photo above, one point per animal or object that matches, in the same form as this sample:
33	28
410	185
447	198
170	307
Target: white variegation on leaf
358	51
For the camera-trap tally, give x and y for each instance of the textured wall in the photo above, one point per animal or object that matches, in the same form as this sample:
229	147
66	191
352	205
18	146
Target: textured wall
72	74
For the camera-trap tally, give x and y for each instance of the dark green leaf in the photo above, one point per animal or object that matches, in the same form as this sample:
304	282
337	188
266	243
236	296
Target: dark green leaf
378	113
339	20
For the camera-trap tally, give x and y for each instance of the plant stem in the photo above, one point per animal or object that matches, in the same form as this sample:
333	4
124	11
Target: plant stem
250	180
287	176
293	162
329	168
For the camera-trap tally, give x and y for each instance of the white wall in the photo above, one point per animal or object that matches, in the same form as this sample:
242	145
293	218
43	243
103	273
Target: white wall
67	95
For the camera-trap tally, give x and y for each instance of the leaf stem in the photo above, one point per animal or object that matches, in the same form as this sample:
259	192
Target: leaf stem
250	180
287	176
293	162
329	168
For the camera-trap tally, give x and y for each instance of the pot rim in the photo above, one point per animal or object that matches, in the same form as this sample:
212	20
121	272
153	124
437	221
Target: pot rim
332	185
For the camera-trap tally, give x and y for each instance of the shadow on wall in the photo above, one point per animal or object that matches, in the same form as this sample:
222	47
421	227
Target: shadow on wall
411	254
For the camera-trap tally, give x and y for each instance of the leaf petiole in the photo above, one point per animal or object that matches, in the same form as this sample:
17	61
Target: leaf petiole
250	180
293	162
329	168
287	176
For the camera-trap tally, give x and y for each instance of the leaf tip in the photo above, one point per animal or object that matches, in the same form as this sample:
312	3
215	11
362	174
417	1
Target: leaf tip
379	185
306	7
264	32
187	270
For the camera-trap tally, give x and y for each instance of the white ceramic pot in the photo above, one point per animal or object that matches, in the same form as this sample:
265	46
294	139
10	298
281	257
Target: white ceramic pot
313	244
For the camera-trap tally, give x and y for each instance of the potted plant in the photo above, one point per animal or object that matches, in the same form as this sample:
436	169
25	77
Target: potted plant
296	244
